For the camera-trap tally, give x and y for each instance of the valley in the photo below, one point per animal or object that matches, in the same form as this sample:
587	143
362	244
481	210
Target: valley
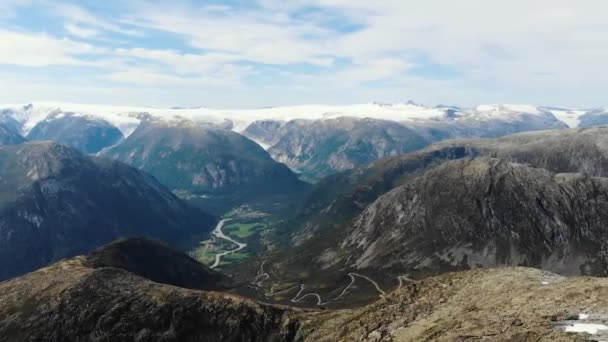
303	171
375	233
238	236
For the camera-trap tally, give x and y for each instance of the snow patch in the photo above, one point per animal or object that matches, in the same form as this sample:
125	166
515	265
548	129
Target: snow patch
589	328
572	118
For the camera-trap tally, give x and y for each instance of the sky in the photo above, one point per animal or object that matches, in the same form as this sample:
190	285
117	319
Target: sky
258	53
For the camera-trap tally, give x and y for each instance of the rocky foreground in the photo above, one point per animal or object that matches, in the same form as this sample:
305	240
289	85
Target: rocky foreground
506	304
109	295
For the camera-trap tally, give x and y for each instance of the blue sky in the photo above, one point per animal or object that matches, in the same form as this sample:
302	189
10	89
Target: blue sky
241	53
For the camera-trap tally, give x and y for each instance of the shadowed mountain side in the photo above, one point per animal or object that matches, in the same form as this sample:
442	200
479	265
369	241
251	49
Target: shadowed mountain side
56	202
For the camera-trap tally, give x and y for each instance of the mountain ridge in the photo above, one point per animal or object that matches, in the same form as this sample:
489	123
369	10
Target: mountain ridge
57	202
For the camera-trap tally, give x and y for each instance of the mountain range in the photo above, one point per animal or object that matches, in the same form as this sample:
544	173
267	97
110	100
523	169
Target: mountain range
314	141
530	199
369	222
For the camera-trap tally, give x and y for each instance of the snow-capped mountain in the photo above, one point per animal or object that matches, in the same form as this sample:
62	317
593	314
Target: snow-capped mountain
318	140
126	118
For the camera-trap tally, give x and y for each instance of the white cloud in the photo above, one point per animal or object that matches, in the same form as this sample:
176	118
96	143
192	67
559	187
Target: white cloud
8	7
269	38
227	76
181	63
80	31
39	50
470	34
78	15
352	49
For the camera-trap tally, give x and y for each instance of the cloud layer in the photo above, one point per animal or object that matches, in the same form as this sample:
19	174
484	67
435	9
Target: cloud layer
271	52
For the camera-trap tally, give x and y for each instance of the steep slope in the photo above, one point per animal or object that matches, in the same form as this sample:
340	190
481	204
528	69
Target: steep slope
339	198
322	239
9	137
85	133
56	202
158	262
89	298
485	212
317	148
205	160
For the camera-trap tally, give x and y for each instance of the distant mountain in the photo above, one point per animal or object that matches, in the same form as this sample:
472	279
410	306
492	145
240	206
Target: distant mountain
9	137
322	147
204	159
85	133
487	121
594	117
311	139
318	148
56	202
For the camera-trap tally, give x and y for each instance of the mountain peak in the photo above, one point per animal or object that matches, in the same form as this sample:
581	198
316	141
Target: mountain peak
158	262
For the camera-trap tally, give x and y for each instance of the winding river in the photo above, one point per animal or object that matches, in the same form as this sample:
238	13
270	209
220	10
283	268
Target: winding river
218	233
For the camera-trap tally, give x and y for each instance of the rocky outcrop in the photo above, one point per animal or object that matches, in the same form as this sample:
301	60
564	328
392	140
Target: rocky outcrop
82	300
485	213
57	203
75	301
505	304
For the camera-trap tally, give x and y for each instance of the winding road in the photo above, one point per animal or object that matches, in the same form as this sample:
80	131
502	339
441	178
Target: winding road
262	276
217	232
